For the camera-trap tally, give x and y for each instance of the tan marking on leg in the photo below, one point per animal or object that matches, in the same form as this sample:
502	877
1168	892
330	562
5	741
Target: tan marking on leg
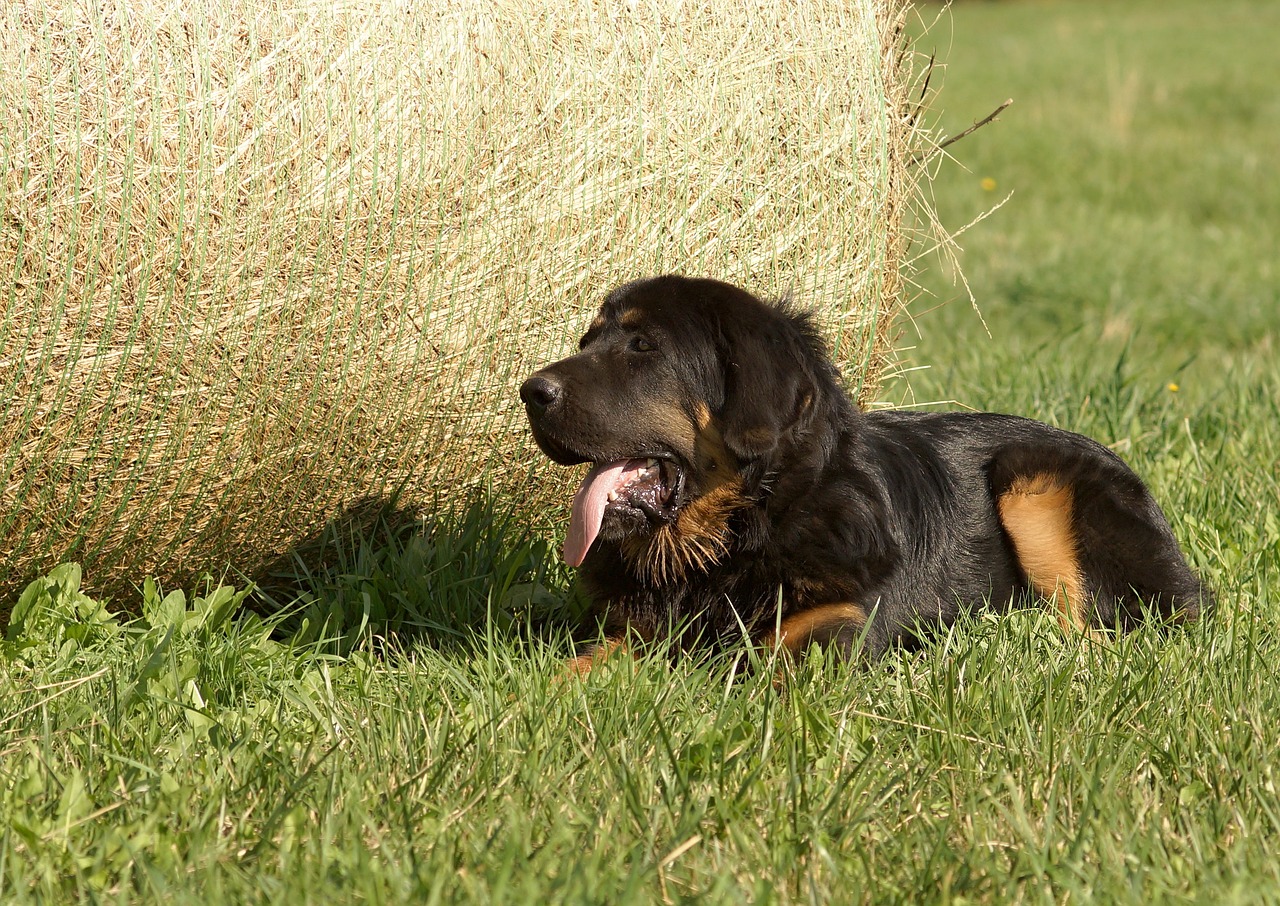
1036	512
593	657
818	624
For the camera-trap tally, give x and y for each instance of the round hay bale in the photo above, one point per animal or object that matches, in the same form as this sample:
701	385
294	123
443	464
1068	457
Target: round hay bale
268	262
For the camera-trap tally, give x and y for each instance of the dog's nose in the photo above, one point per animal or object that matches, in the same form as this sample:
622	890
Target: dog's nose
540	393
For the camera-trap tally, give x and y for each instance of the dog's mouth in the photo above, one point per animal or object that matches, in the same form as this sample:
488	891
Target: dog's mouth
631	491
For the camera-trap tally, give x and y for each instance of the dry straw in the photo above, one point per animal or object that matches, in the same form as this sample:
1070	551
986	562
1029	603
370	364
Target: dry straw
263	260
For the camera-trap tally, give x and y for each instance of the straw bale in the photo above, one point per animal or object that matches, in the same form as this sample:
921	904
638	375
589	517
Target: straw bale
263	260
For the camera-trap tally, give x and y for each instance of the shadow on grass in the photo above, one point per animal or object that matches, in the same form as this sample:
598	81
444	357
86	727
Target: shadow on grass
451	579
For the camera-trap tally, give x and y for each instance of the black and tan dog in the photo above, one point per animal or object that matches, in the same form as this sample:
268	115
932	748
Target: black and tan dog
735	488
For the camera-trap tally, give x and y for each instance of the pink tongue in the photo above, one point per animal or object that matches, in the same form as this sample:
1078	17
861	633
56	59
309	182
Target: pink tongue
589	504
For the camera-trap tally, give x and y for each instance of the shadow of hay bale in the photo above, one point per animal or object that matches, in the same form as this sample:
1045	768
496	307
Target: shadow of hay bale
446	577
282	580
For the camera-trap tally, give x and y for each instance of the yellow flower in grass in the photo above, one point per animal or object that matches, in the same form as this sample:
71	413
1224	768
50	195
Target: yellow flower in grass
988	184
1173	388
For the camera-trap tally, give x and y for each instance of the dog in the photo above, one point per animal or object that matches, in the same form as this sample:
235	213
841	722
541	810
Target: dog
737	492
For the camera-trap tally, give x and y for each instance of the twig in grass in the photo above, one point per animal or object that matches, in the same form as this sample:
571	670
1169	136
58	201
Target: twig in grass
922	154
681	850
92	816
915	726
62	687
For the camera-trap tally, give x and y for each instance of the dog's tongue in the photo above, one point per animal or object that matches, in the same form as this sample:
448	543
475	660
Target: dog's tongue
589	504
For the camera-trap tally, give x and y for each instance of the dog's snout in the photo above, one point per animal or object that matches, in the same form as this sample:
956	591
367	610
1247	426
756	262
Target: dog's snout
540	393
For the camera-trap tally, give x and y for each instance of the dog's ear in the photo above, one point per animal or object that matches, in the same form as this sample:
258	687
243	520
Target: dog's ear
769	383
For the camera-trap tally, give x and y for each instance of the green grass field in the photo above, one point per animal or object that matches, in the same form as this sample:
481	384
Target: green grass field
403	737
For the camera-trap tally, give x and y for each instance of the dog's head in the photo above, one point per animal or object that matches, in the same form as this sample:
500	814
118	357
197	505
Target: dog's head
682	396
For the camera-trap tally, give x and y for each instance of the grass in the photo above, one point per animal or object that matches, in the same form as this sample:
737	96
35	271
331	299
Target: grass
1139	213
401	734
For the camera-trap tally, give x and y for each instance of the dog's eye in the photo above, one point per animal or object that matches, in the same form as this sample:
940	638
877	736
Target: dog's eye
640	344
